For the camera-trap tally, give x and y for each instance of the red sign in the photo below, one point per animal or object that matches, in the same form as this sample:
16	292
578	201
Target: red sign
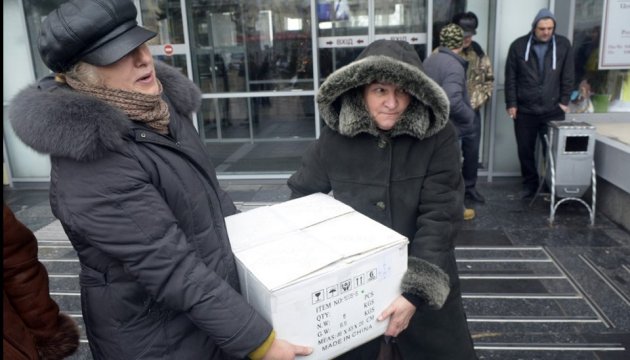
168	49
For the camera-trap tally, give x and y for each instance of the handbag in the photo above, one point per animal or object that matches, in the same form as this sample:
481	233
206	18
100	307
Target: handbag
389	349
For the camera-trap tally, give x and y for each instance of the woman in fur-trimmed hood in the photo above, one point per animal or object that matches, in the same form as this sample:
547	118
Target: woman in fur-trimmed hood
389	151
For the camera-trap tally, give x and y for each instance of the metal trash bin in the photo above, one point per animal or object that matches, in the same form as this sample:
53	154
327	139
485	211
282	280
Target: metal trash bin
570	169
572	148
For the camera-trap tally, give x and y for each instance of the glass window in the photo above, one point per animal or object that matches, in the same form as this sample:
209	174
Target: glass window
331	59
407	16
443	12
338	19
254	158
176	61
241	46
261	48
344	28
165	18
404	20
35	12
609	89
275	117
342	17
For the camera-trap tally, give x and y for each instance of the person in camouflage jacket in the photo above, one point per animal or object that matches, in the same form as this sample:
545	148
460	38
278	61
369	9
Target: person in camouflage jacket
479	77
479	82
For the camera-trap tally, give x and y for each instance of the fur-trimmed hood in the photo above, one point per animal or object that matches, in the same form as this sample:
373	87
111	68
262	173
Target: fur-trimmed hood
340	97
54	119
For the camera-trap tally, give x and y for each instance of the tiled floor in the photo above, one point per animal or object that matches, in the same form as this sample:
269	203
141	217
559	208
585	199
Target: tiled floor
531	290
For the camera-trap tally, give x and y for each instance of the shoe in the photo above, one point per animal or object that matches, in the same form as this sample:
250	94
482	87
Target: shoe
469	214
474	195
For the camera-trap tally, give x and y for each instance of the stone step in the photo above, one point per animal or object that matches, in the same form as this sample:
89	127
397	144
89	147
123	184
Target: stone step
61	266
552	309
56	251
69	302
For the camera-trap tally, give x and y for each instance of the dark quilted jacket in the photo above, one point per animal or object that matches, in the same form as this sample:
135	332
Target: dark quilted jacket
146	215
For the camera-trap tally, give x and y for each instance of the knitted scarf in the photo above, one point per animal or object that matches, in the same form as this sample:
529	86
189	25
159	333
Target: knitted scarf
149	109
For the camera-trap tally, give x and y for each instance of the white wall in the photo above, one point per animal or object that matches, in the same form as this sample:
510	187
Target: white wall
17	71
481	8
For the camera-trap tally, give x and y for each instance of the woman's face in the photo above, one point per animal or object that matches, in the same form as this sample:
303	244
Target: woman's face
134	72
386	103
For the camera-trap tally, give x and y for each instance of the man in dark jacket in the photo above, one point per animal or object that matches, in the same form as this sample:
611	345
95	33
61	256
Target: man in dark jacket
390	152
448	69
539	76
136	193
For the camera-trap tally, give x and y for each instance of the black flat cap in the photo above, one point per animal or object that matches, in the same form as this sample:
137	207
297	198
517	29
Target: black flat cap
99	32
468	21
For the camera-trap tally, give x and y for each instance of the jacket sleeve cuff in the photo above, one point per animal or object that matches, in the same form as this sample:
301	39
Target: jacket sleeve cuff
63	343
427	282
260	352
417	301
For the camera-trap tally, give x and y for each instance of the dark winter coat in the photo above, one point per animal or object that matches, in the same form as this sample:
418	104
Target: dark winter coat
449	70
33	328
532	93
146	215
407	179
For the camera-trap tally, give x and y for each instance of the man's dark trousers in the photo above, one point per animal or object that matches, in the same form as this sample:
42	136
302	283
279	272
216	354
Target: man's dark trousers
470	152
527	128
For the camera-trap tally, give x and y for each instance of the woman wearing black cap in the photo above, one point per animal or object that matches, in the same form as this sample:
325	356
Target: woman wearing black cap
137	194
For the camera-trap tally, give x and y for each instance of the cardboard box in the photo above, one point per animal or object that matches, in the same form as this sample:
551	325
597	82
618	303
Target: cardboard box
319	271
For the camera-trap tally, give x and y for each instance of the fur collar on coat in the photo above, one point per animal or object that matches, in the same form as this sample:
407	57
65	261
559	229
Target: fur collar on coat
54	119
340	97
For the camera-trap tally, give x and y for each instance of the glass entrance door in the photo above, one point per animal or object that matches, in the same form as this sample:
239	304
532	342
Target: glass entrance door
259	66
253	63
